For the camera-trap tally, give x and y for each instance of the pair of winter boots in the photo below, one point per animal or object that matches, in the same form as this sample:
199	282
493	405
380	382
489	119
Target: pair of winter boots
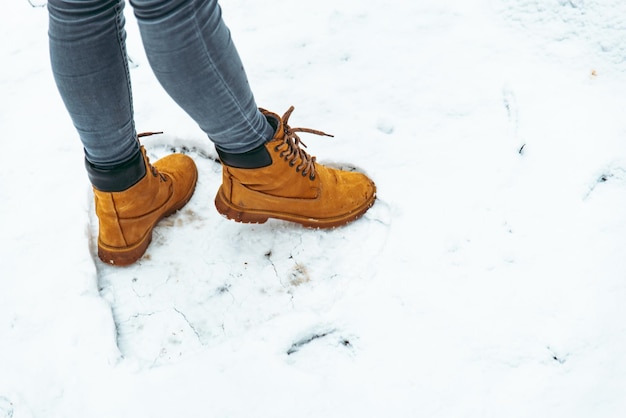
277	180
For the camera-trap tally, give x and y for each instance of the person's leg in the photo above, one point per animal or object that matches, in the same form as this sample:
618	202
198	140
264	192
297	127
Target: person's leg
90	67
193	56
89	63
266	174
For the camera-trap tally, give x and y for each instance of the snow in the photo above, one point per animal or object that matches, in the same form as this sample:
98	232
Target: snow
488	279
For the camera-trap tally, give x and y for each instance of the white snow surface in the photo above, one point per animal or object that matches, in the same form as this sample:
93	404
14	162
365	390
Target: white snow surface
488	280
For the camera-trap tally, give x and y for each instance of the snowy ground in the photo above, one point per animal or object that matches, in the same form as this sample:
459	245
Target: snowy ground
488	280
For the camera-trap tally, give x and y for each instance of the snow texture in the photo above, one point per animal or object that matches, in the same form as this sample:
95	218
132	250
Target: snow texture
488	280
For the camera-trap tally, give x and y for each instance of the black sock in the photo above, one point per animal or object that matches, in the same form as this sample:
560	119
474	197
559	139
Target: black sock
117	178
256	158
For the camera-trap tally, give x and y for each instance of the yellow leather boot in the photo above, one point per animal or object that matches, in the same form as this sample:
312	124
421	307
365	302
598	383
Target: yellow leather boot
126	218
280	180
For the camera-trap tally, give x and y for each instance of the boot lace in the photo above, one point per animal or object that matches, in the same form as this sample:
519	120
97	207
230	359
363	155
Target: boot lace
153	169
291	149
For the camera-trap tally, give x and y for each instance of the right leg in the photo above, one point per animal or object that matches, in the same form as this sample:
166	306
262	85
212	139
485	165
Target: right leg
193	56
265	172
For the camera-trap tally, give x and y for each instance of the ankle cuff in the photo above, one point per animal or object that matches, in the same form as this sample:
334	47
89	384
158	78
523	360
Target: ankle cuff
118	178
256	158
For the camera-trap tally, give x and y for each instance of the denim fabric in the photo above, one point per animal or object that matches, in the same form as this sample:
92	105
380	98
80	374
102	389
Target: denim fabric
191	53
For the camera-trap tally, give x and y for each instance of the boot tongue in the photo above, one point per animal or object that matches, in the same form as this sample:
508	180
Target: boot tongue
277	124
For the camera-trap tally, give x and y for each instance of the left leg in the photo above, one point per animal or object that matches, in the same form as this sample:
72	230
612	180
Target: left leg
89	63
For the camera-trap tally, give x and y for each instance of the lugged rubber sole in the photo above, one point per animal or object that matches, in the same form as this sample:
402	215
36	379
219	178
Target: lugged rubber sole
126	255
258	216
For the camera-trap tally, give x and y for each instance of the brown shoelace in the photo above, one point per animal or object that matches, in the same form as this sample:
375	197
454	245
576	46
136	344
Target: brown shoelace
153	169
291	150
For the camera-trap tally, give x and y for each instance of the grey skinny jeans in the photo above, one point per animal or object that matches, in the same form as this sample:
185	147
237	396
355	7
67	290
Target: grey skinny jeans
191	53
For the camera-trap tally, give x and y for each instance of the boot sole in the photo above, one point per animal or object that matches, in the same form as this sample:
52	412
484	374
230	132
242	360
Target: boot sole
128	255
258	216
